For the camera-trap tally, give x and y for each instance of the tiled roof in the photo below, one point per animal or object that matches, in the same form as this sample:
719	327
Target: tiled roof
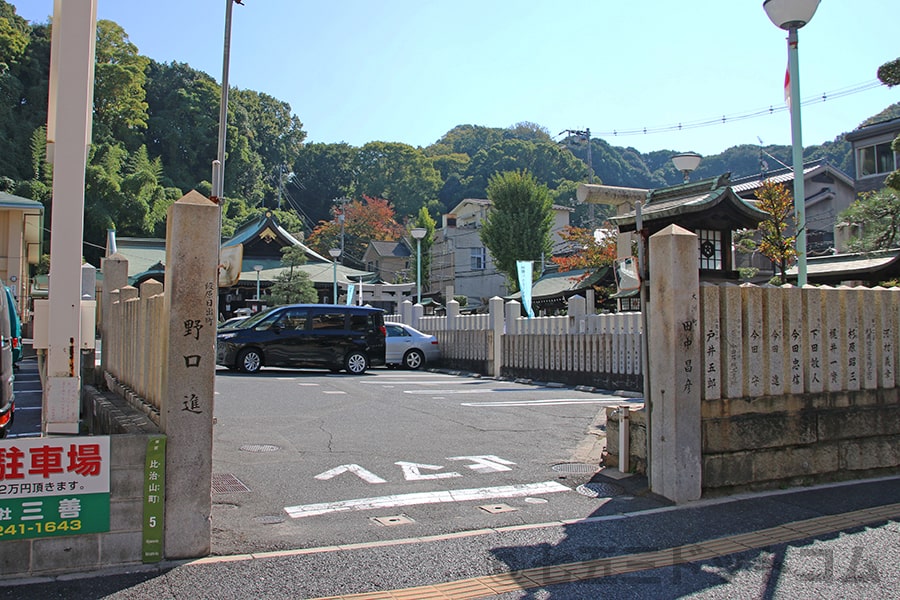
745	185
397	249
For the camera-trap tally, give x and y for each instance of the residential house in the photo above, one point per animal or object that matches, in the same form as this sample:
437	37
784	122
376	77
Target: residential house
461	264
390	261
828	190
873	155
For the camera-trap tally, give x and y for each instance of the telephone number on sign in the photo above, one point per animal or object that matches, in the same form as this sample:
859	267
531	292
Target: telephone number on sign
40	527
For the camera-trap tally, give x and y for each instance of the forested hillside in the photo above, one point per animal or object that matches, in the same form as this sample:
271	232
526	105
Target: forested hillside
155	136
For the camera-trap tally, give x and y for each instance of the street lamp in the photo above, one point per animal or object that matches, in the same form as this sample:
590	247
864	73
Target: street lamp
334	252
792	15
257	268
418	233
686	162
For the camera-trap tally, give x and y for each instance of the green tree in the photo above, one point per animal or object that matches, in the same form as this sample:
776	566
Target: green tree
876	216
120	109
324	172
399	173
292	285
518	223
775	242
423	220
182	127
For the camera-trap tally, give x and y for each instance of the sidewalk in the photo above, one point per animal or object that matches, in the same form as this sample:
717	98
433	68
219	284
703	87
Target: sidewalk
839	540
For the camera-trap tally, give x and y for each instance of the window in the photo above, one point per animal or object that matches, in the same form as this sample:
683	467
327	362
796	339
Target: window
328	321
479	259
875	160
293	319
710	249
361	323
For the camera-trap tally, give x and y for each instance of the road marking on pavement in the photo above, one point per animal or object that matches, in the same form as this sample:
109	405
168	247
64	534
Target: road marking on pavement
333	392
504	491
365	475
413	471
547	402
309	384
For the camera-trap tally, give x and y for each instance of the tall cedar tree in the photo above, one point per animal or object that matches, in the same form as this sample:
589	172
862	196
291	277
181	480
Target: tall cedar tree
518	223
775	243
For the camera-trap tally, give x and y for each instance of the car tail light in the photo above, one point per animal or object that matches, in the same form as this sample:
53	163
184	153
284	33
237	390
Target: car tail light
434	342
7	417
383	330
15	343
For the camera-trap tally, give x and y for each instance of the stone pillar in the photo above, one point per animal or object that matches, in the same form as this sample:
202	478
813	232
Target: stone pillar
186	412
452	314
406	313
675	355
495	306
115	276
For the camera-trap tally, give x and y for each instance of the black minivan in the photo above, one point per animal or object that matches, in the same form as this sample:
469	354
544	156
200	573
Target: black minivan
329	336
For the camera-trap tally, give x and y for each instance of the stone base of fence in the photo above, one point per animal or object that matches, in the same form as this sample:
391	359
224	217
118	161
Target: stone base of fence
466	364
601	381
772	442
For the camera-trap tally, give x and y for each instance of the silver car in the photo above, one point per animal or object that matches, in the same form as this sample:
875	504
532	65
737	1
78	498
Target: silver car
408	347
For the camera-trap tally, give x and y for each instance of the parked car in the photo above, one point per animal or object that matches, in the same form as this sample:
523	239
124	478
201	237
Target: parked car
409	347
327	336
7	399
15	326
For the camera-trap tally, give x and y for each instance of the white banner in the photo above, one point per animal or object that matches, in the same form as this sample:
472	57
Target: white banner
31	467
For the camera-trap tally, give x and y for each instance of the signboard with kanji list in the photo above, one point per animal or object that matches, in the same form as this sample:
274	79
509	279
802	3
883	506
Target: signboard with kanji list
53	486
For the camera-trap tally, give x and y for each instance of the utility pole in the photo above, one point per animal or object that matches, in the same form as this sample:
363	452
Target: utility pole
343	203
585	134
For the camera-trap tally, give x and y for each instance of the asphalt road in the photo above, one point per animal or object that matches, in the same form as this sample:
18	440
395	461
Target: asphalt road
322	459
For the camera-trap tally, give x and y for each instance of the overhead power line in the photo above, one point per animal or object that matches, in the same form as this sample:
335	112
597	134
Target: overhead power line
742	116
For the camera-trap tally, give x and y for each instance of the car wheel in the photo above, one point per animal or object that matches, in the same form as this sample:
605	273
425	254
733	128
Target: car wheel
356	363
249	361
414	359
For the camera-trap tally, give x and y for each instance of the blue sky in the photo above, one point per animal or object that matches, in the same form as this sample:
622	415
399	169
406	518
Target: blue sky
410	70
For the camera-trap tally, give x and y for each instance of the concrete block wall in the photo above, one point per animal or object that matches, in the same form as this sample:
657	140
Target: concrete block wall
120	546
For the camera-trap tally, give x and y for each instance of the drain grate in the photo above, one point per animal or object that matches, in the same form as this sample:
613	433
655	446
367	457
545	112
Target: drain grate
600	490
226	483
575	468
259	448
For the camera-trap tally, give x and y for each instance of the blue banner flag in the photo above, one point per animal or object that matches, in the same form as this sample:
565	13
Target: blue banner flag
350	289
525	268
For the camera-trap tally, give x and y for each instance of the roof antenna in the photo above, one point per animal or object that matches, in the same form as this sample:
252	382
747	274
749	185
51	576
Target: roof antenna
763	165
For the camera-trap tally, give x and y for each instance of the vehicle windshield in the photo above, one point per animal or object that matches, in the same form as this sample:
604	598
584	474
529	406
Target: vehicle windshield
254	320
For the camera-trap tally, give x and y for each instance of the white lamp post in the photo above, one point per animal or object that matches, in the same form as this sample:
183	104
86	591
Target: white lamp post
335	253
418	233
686	162
257	268
792	15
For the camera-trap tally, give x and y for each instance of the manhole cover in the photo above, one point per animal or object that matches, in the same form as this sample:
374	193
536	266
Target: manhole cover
259	448
269	520
575	468
226	483
600	490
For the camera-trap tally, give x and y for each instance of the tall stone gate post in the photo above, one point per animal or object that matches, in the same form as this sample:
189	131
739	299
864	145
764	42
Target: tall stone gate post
186	414
675	353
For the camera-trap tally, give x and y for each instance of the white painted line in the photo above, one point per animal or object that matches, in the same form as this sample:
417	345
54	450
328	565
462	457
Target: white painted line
469	391
333	392
420	382
309	384
546	402
488	493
